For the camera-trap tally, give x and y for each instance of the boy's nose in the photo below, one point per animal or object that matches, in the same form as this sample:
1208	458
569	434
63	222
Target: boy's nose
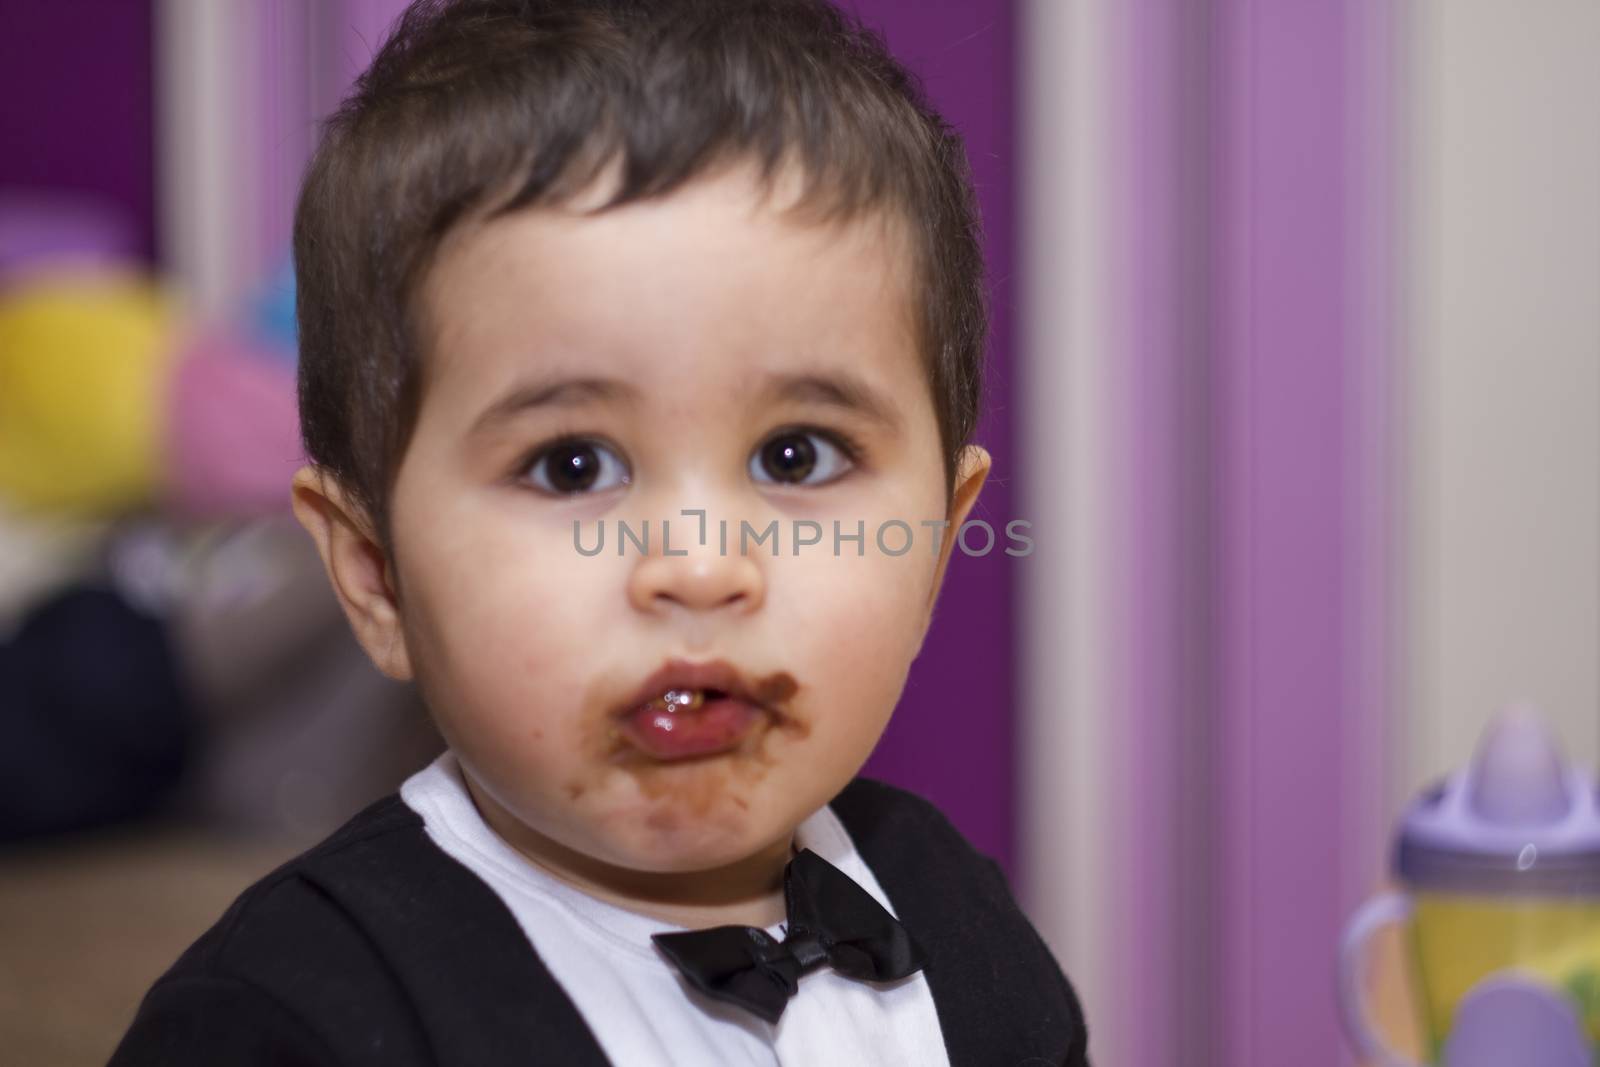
704	579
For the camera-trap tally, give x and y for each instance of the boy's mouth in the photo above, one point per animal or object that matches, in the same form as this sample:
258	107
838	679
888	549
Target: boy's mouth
686	710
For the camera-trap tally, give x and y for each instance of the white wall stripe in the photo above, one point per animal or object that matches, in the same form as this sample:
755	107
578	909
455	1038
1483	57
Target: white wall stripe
1504	546
197	105
1064	733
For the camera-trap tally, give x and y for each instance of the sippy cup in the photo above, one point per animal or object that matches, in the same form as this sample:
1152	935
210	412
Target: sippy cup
1500	865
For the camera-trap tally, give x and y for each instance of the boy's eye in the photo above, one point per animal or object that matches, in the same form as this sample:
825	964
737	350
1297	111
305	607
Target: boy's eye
800	457
576	466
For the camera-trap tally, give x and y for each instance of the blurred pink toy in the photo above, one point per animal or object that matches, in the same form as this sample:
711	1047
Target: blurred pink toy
232	431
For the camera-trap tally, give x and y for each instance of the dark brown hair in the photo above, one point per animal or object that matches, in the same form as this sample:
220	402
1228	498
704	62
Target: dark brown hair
494	105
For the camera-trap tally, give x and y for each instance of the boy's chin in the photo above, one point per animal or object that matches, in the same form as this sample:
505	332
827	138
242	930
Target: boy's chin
666	839
698	851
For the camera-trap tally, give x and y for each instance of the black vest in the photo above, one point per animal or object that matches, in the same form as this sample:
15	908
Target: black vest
376	949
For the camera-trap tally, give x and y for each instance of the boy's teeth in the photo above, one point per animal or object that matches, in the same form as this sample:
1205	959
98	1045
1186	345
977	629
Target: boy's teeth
674	700
684	699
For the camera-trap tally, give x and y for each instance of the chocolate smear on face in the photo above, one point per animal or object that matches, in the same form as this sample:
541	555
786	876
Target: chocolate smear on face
698	784
776	688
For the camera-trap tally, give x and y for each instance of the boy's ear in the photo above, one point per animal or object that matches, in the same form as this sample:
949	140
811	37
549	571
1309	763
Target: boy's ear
356	565
971	472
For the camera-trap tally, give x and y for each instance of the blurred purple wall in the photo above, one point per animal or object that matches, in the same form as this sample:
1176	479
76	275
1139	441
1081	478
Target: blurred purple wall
951	738
77	103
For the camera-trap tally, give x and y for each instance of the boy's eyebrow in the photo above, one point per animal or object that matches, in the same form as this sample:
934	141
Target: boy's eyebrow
837	389
562	392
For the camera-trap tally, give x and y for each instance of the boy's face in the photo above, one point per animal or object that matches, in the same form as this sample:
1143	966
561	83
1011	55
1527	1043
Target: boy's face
715	345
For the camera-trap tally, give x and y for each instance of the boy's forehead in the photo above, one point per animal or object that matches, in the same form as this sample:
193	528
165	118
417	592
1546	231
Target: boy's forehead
717	238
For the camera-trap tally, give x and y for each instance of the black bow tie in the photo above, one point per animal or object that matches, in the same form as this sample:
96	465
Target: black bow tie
831	920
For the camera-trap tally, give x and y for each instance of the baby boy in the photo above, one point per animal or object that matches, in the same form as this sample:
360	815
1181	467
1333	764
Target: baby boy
690	274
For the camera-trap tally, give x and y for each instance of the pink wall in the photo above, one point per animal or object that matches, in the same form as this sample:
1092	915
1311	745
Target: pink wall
1252	379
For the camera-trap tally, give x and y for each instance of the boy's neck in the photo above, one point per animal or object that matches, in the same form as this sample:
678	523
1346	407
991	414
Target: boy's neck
748	892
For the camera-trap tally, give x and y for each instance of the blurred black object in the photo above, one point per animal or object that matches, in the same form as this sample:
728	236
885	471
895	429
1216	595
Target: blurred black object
95	723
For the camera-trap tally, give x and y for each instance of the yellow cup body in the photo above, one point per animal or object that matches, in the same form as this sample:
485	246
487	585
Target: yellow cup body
1460	939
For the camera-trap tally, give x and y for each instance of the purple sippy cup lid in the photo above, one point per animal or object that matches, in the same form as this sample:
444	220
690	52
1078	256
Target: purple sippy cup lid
1518	819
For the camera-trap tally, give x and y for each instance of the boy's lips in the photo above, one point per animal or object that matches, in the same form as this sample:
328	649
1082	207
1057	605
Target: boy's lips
712	708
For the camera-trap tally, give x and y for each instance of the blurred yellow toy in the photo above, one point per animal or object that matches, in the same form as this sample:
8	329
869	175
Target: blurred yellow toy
83	366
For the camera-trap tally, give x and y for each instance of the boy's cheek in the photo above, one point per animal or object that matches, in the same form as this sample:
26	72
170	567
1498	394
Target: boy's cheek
511	652
860	618
868	591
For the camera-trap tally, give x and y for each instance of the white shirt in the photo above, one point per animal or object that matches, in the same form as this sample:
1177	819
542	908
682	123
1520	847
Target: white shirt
640	1009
